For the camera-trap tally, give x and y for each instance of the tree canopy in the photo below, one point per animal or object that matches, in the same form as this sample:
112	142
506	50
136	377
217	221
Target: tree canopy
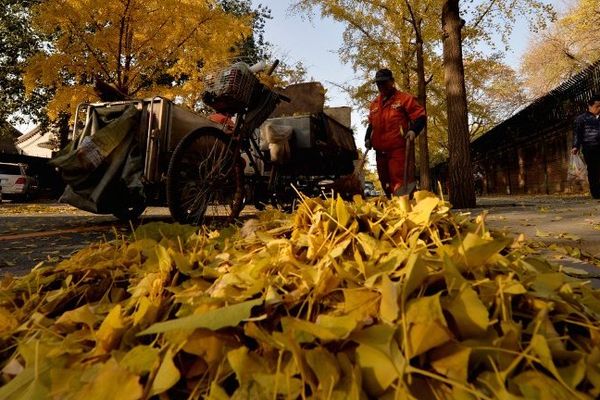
141	47
381	33
18	41
563	49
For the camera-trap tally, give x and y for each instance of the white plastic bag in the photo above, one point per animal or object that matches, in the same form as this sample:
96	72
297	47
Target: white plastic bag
278	138
577	169
89	153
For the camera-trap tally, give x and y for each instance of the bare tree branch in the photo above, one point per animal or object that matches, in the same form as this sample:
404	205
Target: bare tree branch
89	48
484	14
160	63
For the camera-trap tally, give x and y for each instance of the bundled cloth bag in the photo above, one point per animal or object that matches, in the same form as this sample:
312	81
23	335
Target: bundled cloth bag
103	169
278	139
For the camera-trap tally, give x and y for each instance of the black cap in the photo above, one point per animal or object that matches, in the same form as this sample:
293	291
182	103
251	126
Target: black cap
383	75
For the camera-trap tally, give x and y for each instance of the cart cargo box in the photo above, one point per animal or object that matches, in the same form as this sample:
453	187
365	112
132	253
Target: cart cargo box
319	144
310	129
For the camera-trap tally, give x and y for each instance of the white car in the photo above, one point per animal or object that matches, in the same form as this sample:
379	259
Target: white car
15	182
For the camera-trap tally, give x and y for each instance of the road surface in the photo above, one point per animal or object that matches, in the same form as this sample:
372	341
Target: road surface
32	233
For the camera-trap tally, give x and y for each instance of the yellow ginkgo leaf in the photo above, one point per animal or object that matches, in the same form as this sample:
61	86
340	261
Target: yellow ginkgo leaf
81	315
540	233
325	366
537	385
340	326
277	385
206	344
341	212
7	321
452	361
378	370
421	213
388	308
213	319
539	347
167	375
307	331
141	359
110	331
574	374
427	326
245	364
146	312
112	382
593	368
469	313
477	250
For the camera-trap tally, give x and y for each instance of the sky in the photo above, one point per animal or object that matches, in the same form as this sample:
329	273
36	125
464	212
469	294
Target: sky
315	42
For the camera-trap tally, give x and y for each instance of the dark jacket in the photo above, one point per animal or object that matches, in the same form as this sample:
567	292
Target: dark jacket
586	130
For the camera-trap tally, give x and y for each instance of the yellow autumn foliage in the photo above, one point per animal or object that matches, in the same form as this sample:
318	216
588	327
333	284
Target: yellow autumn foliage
378	299
131	44
564	49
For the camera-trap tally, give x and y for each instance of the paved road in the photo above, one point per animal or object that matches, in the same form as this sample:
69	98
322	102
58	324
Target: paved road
33	233
558	223
565	220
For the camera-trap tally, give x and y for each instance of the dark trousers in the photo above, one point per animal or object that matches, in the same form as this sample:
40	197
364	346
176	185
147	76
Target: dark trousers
591	155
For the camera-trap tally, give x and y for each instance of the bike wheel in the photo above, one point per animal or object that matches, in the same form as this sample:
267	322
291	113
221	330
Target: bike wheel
204	178
131	213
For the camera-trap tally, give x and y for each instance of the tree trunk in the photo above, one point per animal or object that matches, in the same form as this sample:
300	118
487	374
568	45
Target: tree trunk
422	97
63	129
407	87
462	190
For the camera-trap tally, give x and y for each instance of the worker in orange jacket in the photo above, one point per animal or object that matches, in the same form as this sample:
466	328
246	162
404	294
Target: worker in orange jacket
394	118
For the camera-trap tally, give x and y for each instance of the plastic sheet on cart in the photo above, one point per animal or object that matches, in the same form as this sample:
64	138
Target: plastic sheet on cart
103	168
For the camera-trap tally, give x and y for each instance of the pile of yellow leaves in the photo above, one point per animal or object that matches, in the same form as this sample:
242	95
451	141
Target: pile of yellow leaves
388	299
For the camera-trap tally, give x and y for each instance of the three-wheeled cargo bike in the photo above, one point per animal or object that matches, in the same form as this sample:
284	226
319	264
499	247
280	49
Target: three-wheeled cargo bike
127	155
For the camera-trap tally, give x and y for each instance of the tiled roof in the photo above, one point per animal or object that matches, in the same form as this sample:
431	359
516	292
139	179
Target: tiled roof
35	131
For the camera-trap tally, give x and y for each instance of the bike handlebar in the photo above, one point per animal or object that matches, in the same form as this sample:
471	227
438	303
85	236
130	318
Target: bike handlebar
261	65
258	67
272	69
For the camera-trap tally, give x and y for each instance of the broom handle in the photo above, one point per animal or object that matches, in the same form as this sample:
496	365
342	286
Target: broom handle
406	155
363	161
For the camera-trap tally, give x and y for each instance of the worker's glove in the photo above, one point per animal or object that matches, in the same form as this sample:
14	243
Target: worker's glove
410	135
368	144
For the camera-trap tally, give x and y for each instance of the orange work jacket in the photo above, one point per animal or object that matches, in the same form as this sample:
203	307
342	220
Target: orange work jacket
386	118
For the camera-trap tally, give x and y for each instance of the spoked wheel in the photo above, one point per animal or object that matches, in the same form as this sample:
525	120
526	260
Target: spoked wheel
126	205
131	213
204	179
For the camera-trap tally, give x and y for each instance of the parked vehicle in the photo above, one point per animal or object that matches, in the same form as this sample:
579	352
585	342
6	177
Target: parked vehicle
370	190
130	154
15	182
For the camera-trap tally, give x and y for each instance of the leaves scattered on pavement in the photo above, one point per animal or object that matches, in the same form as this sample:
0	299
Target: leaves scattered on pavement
42	208
386	299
